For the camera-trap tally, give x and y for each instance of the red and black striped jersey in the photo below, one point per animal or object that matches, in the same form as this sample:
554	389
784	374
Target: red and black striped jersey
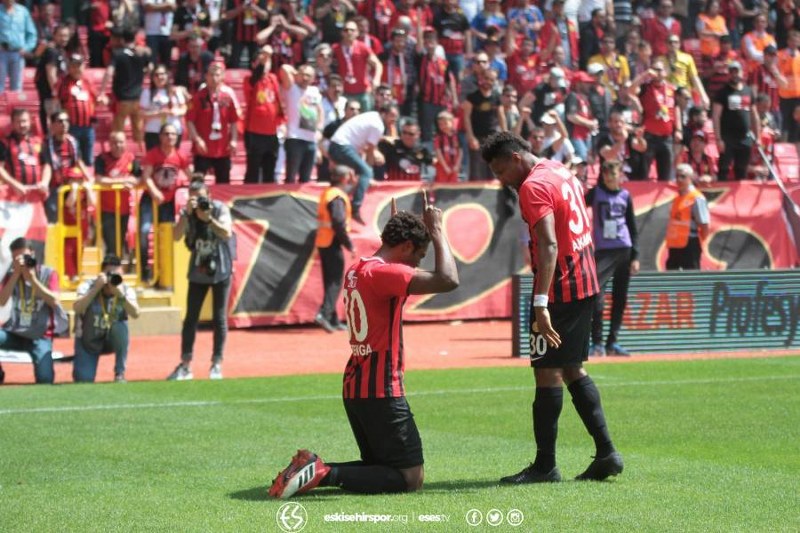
247	24
374	294
77	99
433	78
22	158
62	157
765	83
551	188
404	163
448	146
380	14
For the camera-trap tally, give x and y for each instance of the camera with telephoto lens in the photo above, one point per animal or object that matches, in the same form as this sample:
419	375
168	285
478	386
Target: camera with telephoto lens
114	278
30	261
203	203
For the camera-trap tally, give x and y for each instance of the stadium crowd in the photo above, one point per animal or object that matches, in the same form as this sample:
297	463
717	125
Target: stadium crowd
640	82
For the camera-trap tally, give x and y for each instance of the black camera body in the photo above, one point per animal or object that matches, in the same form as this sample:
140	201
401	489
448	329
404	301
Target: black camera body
30	260
203	203
114	278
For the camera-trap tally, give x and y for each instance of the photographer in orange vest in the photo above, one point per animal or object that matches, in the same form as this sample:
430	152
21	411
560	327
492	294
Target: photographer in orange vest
688	223
333	221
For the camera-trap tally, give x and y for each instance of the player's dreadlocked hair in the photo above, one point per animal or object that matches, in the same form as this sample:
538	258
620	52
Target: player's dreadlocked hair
405	226
502	144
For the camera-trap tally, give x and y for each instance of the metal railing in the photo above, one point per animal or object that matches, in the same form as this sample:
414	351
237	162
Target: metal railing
73	230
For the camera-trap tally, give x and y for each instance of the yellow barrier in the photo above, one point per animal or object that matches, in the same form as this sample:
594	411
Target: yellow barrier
163	271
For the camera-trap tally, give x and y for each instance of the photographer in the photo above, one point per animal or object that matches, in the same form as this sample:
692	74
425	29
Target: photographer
206	226
35	310
101	321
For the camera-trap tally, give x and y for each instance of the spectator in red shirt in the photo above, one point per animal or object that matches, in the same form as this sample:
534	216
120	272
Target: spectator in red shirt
119	168
378	14
21	158
77	96
663	125
551	36
657	30
447	149
263	113
522	67
366	37
164	170
354	60
211	123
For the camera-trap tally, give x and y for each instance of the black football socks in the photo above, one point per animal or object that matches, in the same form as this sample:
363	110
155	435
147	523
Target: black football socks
355	476
586	399
546	409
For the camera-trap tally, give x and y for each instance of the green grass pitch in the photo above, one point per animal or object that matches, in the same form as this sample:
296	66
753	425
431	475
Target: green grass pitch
708	446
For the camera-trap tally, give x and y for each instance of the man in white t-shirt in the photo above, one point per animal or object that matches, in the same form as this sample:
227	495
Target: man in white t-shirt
158	16
304	120
357	136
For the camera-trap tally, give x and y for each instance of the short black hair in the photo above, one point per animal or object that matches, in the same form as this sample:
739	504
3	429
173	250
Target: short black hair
405	226
198	182
18	112
20	243
339	174
387	108
111	260
502	144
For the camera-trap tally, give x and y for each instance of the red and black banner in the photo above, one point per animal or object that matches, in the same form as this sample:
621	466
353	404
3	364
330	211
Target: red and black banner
278	278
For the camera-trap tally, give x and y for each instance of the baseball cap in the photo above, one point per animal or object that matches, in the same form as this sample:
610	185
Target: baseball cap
582	76
595	68
558	73
734	65
547	119
575	161
76	58
770	49
699	134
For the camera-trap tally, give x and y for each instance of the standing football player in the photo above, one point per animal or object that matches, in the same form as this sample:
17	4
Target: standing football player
565	285
375	291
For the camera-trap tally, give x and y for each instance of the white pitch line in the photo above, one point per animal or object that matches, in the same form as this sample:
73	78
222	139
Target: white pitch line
488	390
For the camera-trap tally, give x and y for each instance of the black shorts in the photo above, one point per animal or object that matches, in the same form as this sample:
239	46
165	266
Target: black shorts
573	323
385	431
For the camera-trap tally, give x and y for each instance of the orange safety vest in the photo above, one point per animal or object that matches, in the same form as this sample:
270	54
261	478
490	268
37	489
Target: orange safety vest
760	43
789	67
680	219
709	46
325	231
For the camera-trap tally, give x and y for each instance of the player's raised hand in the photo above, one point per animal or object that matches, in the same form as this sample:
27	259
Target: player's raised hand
431	215
546	328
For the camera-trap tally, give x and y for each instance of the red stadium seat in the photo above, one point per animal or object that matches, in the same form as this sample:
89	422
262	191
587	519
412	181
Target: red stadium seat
787	161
